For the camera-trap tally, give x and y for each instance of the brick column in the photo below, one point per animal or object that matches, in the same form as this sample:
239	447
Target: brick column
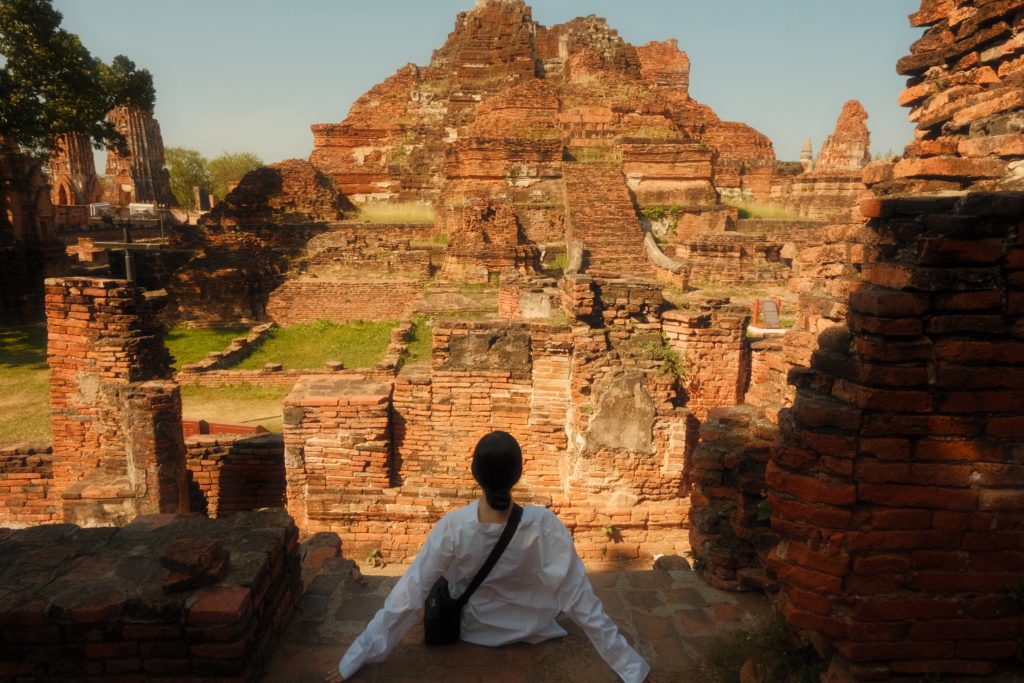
117	445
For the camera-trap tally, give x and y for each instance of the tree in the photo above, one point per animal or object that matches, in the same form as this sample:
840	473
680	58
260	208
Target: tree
49	83
125	84
188	170
230	167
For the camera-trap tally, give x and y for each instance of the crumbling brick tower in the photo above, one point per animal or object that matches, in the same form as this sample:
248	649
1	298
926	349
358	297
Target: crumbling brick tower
73	178
898	486
139	175
118	449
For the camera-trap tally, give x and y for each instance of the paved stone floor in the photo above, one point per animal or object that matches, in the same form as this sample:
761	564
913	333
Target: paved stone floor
670	616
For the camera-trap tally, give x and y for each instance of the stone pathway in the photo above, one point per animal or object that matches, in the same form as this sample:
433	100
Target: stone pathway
669	615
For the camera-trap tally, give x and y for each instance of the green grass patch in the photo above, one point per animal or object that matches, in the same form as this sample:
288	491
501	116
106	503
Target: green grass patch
396	213
191	344
357	344
24	385
236	404
421	342
782	654
595	155
764	211
438	241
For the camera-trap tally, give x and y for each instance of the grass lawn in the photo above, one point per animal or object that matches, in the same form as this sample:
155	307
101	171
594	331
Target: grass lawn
396	213
237	404
421	343
191	344
24	385
357	344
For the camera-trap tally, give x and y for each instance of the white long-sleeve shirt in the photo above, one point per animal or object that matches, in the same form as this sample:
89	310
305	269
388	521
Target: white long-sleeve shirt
537	577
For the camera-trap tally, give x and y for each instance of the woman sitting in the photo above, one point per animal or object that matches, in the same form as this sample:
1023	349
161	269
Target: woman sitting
537	577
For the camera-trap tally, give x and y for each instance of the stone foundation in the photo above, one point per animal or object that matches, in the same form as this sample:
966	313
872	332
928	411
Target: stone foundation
167	597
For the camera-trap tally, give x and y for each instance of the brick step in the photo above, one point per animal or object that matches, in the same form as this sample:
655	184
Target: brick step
601	215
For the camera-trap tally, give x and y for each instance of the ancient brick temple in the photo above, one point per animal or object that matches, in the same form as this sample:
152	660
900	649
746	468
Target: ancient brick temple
28	250
73	178
893	480
605	426
500	101
138	175
830	188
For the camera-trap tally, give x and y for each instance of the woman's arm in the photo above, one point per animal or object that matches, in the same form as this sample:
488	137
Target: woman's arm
401	608
576	598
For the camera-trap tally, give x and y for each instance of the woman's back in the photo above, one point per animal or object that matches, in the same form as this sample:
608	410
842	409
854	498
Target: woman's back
519	601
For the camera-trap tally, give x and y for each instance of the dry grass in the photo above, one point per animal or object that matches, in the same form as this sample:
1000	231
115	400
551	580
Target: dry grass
764	211
396	213
24	385
236	404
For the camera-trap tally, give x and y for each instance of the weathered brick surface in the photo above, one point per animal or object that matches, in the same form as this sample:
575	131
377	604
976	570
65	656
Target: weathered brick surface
73	178
139	175
29	252
713	342
600	217
378	463
893	485
101	604
116	420
26	472
832	187
231	474
733	258
488	240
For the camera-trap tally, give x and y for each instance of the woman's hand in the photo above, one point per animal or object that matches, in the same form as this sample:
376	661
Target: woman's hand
333	676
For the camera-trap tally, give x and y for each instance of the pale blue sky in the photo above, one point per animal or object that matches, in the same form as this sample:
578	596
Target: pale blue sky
252	75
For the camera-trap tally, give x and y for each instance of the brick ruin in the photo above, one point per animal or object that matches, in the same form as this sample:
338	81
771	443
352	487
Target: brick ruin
866	467
28	250
164	598
880	488
830	188
116	416
73	178
138	175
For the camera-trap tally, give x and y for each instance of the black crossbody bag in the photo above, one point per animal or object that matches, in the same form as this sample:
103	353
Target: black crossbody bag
442	614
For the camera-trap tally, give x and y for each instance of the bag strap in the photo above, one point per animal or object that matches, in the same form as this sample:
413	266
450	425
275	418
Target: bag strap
506	535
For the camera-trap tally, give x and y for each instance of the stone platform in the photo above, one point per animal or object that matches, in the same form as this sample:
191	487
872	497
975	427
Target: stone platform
669	615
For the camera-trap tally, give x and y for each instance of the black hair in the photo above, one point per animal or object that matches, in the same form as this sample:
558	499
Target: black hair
497	466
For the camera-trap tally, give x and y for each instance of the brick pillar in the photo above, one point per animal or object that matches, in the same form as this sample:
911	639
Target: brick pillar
117	445
713	345
337	440
898	488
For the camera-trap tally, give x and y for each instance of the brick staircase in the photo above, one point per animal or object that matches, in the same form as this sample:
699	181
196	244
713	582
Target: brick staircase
600	215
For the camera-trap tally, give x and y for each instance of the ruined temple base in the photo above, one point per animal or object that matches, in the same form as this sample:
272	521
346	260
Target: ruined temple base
670	615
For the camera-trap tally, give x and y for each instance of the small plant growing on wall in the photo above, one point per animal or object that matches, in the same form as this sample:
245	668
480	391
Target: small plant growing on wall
374	559
608	530
1016	591
764	508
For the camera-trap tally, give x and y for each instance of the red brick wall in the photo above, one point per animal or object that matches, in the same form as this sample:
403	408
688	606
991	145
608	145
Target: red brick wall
26	472
101	613
713	347
233	474
380	463
116	423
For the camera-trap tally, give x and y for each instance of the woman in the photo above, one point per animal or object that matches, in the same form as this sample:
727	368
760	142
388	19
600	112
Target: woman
538	576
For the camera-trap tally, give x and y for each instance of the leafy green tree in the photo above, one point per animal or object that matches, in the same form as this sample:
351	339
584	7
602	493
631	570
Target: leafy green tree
188	170
49	83
126	84
230	167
